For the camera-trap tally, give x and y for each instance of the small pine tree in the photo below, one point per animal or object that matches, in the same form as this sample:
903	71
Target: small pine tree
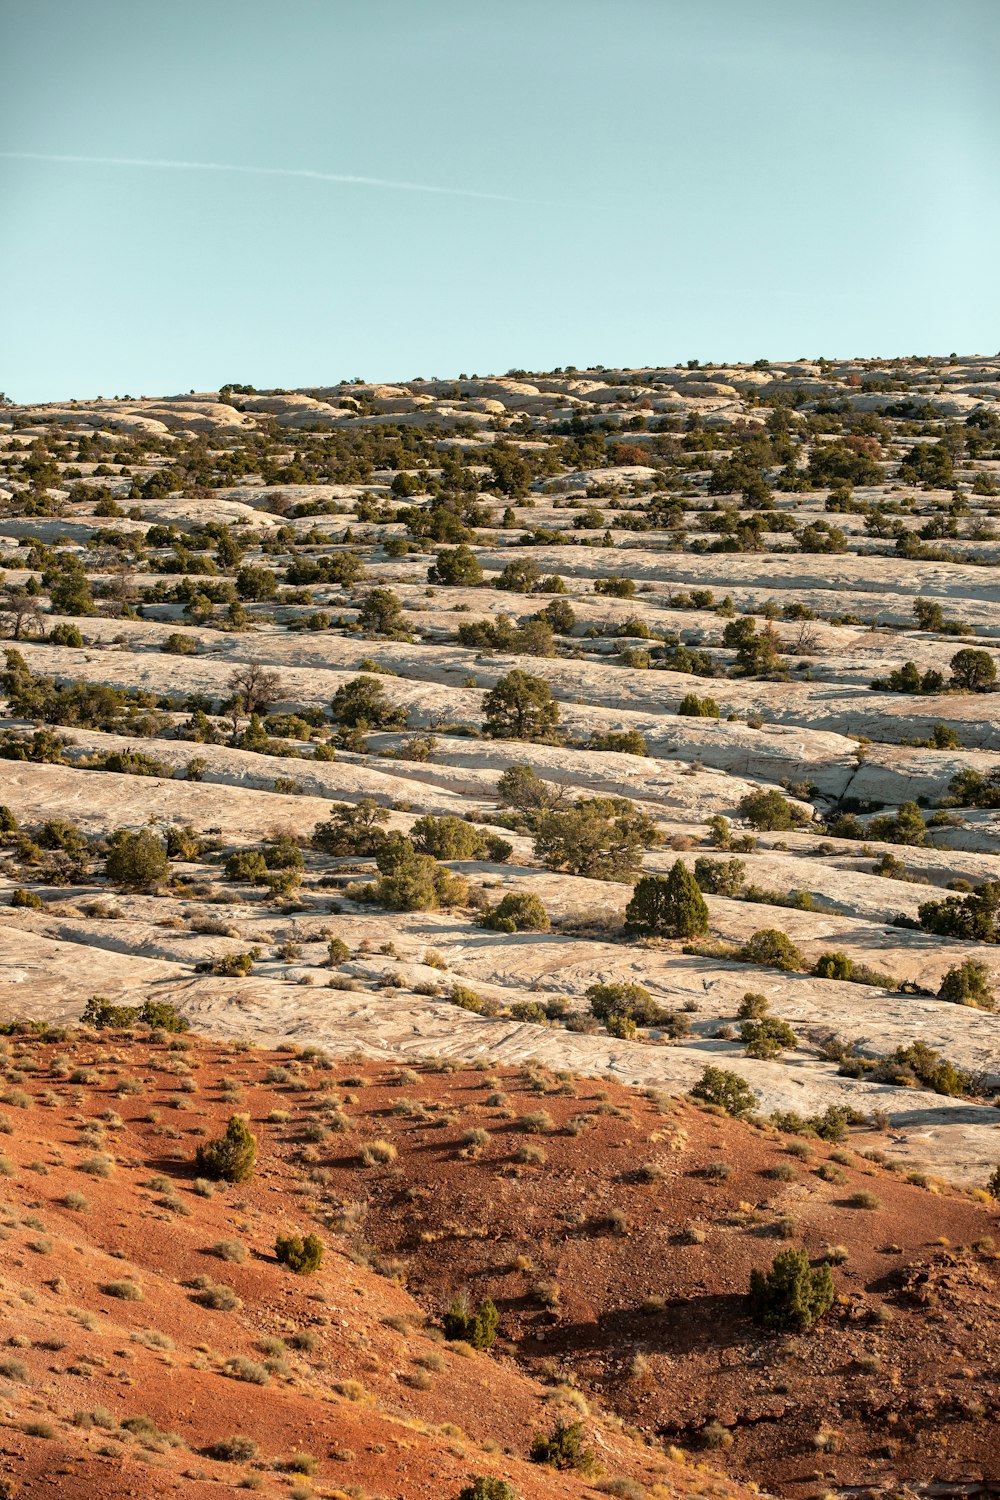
477	1328
231	1157
791	1295
563	1449
668	905
520	707
753	1006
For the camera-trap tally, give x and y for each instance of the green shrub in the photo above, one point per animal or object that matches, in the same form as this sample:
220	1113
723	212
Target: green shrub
447	838
753	1006
362	704
693	707
461	995
478	1328
65	635
28	900
905	826
970	983
178	644
791	1295
720	877
974	916
104	1015
456	567
768	1037
247	866
833	966
231	1157
136	860
303	1256
770	812
233	965
563	1449
516	912
414	882
351	829
487	1487
772	948
101	1013
624	741
613	1003
726	1090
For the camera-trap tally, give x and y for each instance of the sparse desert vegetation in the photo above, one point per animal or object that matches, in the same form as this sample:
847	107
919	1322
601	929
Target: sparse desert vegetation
504	871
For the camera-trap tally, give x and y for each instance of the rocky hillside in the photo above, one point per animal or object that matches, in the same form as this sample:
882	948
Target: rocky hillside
641	722
154	1343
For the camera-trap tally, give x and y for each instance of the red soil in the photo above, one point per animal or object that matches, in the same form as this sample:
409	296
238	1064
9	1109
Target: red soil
365	1385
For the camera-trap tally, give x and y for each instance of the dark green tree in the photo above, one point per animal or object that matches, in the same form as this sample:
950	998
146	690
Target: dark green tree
136	860
667	905
231	1157
973	671
362	704
447	838
602	838
456	567
791	1296
351	829
520	707
476	1327
770	811
522	788
382	614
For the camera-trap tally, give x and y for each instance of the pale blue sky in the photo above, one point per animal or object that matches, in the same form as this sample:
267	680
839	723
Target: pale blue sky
673	179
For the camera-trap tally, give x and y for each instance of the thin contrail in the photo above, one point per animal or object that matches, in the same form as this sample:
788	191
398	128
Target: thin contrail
222	166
